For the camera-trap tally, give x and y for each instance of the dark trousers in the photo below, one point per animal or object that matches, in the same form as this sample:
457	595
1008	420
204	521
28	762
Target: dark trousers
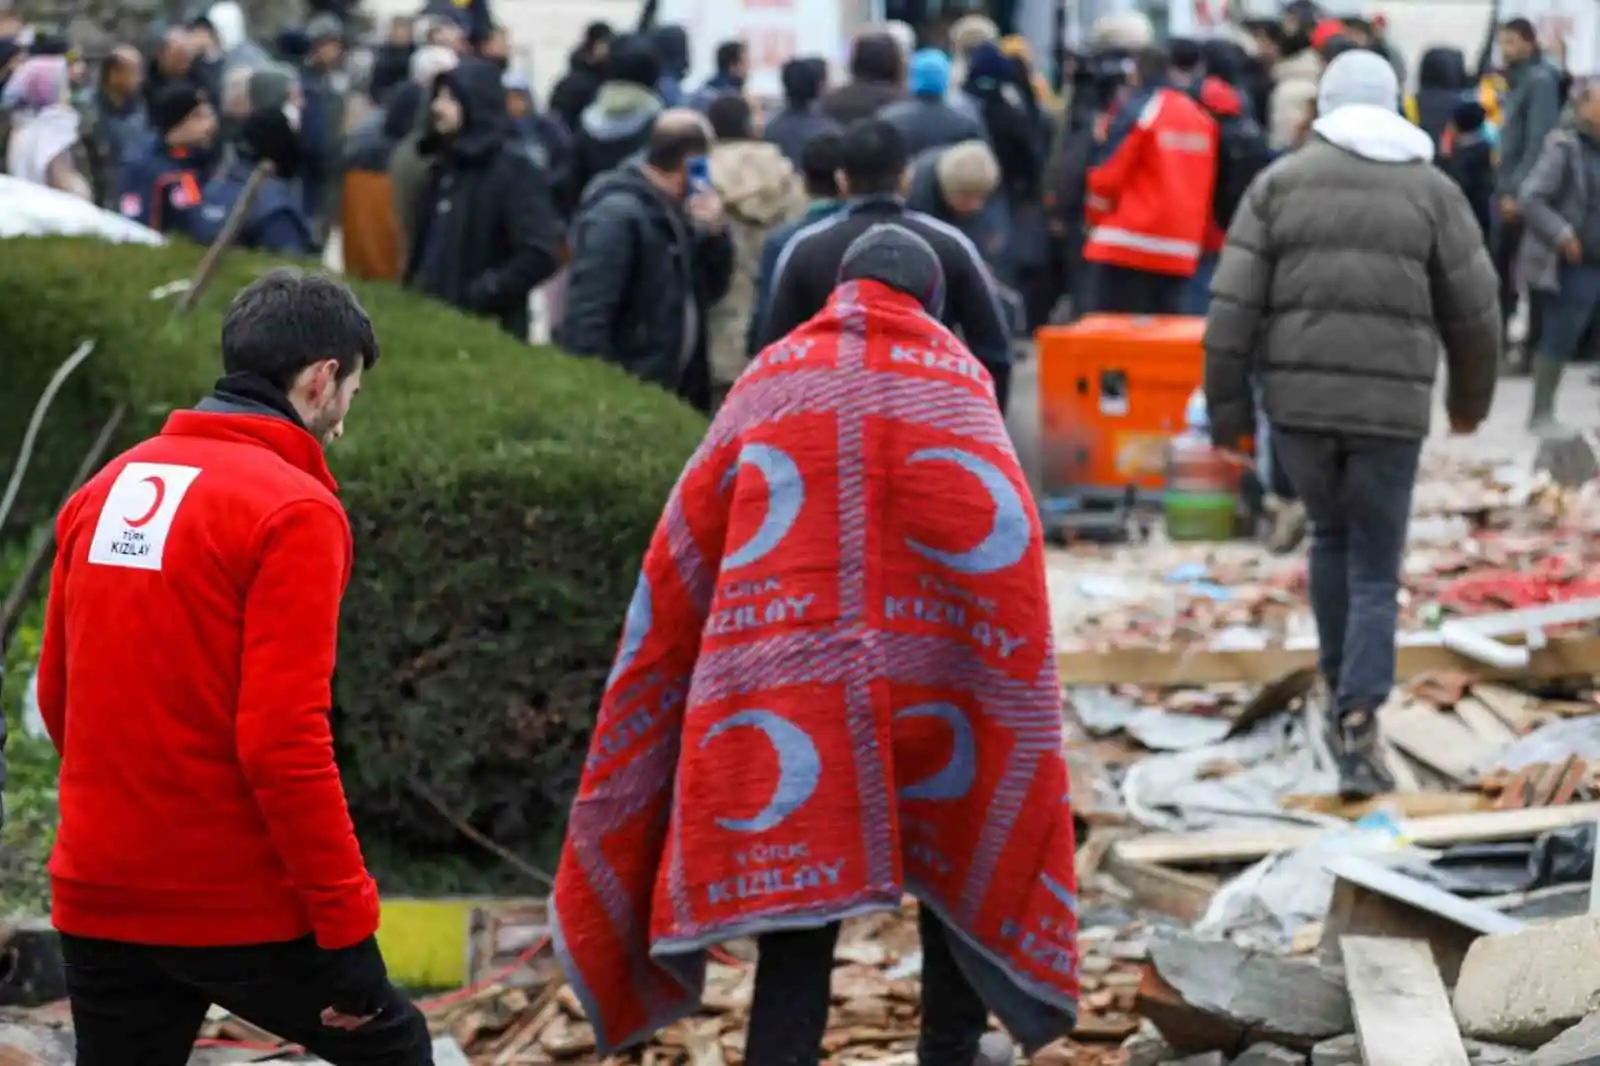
1120	291
789	1014
136	1005
1357	493
1508	240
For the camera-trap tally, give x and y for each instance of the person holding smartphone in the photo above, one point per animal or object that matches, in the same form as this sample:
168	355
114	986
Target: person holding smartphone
650	255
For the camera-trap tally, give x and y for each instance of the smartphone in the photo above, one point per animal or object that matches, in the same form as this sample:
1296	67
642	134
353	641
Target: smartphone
699	174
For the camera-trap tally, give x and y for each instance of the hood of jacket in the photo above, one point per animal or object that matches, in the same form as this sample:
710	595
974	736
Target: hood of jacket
485	126
756	182
620	110
672	46
1442	68
400	114
1220	98
1374	133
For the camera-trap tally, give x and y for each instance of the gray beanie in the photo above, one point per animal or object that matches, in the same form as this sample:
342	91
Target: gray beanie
1358	77
900	259
269	87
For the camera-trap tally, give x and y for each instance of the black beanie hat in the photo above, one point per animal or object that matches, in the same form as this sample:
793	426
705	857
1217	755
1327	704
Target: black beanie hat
633	60
172	105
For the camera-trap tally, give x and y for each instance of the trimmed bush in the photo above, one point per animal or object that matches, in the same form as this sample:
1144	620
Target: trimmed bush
501	498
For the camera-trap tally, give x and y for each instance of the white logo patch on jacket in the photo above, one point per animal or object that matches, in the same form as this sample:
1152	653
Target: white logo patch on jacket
138	513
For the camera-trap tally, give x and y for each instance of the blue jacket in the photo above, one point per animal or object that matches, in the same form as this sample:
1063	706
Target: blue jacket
160	186
275	224
771	249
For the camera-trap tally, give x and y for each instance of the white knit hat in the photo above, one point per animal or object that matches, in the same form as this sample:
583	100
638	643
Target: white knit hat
1358	77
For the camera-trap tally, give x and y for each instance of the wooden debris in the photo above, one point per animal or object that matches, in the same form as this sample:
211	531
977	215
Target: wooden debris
1402	1013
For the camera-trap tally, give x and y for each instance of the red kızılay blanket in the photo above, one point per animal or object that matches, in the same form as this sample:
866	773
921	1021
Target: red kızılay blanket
835	685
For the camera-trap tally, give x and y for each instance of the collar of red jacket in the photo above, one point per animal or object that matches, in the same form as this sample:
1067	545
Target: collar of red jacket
291	443
877	295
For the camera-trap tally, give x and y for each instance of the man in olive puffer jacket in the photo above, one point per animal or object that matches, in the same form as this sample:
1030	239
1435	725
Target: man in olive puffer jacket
1348	265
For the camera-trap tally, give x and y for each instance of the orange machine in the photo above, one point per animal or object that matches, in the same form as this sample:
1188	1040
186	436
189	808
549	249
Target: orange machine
1112	393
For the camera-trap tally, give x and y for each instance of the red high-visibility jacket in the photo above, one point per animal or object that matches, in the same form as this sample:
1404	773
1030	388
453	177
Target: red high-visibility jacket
1150	200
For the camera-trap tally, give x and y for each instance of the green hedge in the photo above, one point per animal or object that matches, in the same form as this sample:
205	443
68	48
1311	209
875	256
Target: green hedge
501	498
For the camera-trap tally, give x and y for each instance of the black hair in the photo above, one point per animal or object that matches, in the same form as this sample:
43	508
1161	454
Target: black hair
634	60
1153	65
803	79
1522	28
1338	45
731	117
729	55
596	33
288	319
1359	24
873	156
1271	30
1185	54
877	57
673	144
819	163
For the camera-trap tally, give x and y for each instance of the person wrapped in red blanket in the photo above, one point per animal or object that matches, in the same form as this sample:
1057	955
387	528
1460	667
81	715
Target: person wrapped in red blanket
835	685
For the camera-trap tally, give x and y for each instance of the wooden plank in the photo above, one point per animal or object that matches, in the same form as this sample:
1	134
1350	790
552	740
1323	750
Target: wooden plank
1180	895
1484	722
1421	896
1516	709
1403	1015
1435	738
1409	804
1561	657
1247	845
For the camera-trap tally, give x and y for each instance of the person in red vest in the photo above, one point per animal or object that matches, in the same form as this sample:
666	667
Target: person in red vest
1150	188
205	852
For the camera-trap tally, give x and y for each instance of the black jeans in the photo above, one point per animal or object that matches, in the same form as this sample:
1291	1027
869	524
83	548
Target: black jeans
1357	492
137	1005
790	1012
1118	290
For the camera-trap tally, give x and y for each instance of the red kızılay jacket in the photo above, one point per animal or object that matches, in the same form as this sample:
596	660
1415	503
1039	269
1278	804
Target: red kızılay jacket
1150	200
186	681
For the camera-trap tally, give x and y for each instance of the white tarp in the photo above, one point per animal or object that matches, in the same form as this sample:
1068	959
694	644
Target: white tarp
30	210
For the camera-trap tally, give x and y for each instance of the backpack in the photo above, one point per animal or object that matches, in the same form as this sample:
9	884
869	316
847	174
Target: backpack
1242	153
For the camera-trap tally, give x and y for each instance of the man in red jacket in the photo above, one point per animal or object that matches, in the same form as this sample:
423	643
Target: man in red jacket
205	853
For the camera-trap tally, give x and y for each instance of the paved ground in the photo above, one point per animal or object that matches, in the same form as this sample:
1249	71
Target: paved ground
1502	438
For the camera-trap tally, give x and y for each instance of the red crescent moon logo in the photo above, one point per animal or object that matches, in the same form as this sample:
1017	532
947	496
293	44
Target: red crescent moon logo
161	495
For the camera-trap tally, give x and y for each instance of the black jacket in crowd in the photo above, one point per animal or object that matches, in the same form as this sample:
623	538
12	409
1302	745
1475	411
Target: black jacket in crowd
791	128
576	90
805	277
642	281
486	229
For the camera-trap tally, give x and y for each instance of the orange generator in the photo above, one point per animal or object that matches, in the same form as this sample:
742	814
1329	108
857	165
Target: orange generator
1112	394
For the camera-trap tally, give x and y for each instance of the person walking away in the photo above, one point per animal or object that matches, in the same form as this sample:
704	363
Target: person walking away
221	655
877	71
1349	265
870	431
44	127
486	226
274	223
1468	157
733	65
1560	254
760	191
926	120
1242	153
618	123
670	44
1442	80
545	139
409	121
160	184
799	120
1531	110
1294	85
322	124
585	71
1150	189
114	121
391	66
872	175
819	167
650	256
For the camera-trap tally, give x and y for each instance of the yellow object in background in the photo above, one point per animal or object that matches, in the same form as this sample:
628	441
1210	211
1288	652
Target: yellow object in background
427	943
